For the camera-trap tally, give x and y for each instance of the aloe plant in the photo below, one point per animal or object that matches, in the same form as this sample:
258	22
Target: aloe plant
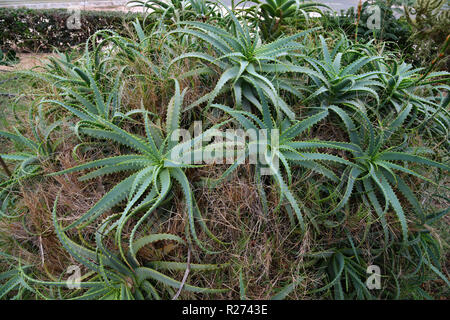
203	9
344	266
12	284
113	277
137	49
67	70
375	163
423	255
342	76
405	83
275	13
423	252
179	9
12	281
421	262
29	154
90	83
157	6
417	261
279	9
84	108
28	159
154	169
345	274
280	146
247	63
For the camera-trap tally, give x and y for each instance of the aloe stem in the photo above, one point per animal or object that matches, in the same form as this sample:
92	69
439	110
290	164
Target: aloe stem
357	19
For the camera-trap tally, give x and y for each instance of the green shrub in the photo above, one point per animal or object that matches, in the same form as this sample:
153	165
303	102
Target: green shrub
29	30
430	22
394	29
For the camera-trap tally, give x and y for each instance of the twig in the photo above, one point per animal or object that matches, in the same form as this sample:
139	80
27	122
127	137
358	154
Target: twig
8	94
186	273
357	19
6	80
5	167
41	249
440	55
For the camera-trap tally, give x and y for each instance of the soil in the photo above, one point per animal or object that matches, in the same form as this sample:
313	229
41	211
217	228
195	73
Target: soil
28	61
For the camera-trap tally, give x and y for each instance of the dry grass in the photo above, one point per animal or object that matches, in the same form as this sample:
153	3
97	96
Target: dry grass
32	236
263	247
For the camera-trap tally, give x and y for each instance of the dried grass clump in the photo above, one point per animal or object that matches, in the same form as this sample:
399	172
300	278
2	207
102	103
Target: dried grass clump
262	246
32	236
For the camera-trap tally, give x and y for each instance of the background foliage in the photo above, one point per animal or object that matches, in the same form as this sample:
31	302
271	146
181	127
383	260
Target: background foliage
28	30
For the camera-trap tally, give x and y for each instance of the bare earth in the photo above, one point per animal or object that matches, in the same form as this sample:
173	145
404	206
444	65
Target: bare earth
28	61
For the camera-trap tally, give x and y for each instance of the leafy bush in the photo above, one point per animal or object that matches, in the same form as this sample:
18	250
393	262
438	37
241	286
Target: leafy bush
8	59
430	21
25	30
